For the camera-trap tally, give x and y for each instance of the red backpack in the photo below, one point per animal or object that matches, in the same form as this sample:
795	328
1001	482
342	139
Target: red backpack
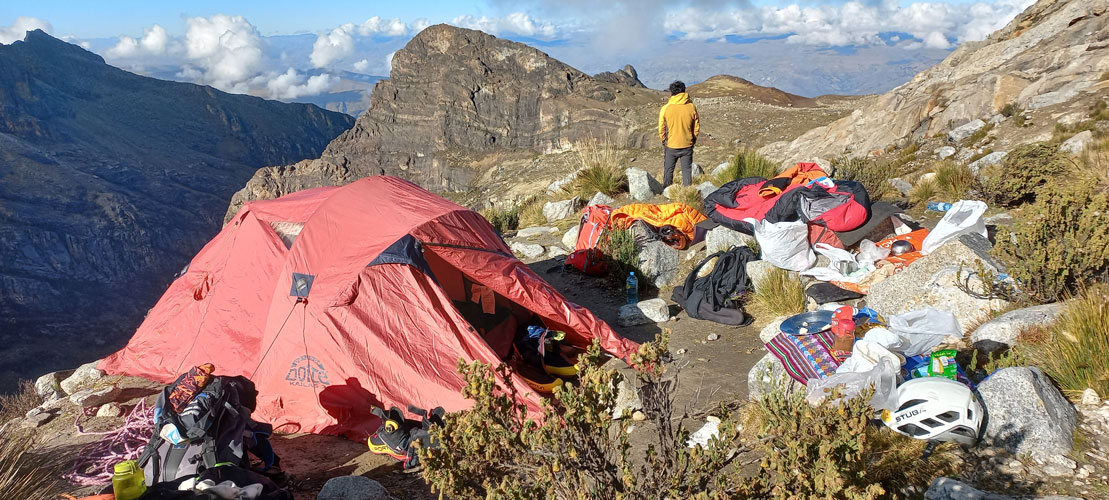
586	257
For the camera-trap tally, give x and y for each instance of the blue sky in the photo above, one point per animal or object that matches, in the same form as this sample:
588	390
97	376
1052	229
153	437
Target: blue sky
852	46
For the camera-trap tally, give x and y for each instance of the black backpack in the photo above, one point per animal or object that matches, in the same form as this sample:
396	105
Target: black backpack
214	429
714	297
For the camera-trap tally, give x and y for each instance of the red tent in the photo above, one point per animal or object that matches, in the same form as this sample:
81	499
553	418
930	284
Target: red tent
338	298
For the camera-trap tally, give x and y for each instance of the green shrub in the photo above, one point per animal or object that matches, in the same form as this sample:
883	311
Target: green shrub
1022	172
622	256
1075	351
873	174
577	450
27	473
747	163
1011	109
1060	242
779	293
503	220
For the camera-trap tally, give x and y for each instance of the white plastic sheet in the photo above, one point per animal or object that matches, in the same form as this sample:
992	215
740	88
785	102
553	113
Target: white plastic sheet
839	261
964	217
784	244
883	377
923	329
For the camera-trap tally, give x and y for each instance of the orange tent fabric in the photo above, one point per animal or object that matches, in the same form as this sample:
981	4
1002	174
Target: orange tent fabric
683	217
335	299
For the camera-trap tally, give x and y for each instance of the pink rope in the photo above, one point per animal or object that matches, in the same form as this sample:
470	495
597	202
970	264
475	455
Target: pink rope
95	462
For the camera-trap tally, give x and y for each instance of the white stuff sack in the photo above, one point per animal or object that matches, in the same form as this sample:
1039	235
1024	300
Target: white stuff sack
784	244
964	217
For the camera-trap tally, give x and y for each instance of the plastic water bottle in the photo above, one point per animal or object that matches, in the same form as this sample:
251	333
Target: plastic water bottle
128	481
937	206
632	288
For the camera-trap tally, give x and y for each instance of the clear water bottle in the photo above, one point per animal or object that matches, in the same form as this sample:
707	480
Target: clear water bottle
632	288
938	206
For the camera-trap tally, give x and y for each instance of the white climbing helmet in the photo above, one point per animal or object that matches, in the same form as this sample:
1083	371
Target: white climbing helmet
936	409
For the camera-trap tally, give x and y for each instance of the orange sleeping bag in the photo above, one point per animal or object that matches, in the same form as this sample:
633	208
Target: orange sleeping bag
683	217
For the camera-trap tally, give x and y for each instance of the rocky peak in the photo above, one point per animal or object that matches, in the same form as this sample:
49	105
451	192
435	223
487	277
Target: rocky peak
1051	55
627	76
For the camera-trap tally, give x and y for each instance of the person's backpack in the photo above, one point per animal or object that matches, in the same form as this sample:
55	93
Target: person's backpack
214	428
592	226
715	295
590	261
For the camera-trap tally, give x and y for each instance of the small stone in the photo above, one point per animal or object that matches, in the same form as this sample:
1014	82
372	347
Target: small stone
1056	470
570	239
720	239
713	336
83	377
556	251
37	420
720	169
641	185
95	397
536	231
945	152
930	176
985	161
659	264
1077	143
966	130
901	185
1090	397
353	488
627	398
528	250
601	199
681	351
109	410
644	312
696	170
49	386
706	188
639	416
668	191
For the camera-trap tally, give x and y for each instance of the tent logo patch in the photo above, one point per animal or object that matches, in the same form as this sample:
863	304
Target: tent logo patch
307	371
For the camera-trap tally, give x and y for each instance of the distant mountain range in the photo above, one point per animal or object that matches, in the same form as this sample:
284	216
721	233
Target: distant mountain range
109	183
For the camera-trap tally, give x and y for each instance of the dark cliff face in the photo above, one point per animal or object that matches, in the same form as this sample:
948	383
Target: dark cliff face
455	93
109	183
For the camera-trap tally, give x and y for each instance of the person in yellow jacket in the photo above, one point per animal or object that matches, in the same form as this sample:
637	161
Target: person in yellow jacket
678	127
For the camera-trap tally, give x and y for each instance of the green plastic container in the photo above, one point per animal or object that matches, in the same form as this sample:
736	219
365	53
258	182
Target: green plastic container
128	481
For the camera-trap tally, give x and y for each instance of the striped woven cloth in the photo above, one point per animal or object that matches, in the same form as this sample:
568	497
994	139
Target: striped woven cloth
805	356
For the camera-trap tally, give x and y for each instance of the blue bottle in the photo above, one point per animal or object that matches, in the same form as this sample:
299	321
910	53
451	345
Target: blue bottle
937	206
632	288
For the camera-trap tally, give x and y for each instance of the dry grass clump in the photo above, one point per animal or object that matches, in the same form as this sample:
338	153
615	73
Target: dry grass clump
20	402
873	174
26	473
600	169
952	182
779	293
686	194
502	219
1075	349
747	163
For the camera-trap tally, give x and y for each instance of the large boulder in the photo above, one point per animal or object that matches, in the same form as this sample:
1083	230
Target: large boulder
641	185
644	312
353	488
757	270
772	329
1025	413
706	188
659	264
932	281
945	488
83	377
720	239
570	239
95	397
1007	327
558	210
49	386
769	375
1077	143
966	130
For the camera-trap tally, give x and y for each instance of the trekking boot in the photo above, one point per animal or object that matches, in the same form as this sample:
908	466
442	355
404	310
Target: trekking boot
535	376
392	437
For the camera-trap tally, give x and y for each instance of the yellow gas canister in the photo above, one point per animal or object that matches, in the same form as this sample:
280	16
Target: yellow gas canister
127	481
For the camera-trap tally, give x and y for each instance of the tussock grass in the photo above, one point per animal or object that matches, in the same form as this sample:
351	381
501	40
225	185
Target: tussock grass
19	403
779	293
600	169
924	191
502	219
688	195
980	134
1076	350
954	180
872	173
531	212
747	163
894	460
26	473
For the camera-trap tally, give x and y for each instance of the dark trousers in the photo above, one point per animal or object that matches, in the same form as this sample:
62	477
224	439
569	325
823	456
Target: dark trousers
672	156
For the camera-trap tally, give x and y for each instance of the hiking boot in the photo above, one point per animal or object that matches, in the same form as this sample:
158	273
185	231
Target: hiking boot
392	437
535	376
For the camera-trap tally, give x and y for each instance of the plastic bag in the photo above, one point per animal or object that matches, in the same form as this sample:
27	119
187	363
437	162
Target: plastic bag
964	217
784	244
869	253
883	377
842	266
923	329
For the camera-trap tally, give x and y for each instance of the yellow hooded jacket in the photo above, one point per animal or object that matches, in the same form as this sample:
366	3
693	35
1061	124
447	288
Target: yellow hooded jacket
678	125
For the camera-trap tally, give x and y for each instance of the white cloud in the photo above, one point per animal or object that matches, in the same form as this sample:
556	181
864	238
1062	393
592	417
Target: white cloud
226	49
291	85
389	61
332	46
934	24
386	27
362	66
154	41
516	23
18	30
